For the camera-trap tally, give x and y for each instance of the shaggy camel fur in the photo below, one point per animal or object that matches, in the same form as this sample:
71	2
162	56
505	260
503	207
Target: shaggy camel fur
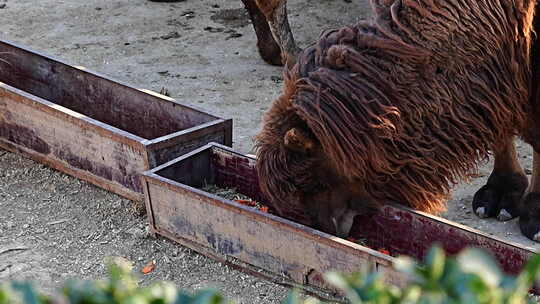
403	107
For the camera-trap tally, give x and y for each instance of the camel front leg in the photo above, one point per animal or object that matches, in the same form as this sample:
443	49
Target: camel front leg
500	197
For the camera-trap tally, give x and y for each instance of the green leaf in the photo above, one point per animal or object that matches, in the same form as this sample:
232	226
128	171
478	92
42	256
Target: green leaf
209	296
411	294
351	286
293	298
406	265
337	279
183	298
478	262
4	294
164	291
30	296
435	261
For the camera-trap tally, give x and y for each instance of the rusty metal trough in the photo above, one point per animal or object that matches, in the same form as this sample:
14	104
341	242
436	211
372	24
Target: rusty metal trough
228	231
92	127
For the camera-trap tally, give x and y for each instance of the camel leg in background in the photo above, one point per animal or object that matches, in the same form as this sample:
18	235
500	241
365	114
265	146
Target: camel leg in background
269	50
529	220
275	13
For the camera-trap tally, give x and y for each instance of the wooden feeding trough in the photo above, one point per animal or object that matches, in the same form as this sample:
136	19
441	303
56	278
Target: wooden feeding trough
92	127
228	231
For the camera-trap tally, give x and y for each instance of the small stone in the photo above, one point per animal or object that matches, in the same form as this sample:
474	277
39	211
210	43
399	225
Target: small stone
117	204
137	232
234	35
276	79
213	29
171	35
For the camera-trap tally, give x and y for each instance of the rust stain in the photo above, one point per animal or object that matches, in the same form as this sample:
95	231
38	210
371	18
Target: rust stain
22	136
222	244
127	179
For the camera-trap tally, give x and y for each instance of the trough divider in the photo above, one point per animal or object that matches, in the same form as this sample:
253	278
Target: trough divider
189	133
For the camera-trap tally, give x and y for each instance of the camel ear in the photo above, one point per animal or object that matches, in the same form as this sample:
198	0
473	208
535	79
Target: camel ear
297	140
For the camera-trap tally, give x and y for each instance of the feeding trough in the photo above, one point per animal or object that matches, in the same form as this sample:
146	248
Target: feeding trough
92	127
228	231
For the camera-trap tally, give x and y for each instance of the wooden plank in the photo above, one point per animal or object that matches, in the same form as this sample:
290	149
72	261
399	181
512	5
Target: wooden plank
91	127
261	240
80	174
163	149
68	147
206	222
325	293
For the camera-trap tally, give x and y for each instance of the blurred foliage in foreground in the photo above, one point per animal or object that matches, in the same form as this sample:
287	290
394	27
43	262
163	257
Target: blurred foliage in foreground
470	277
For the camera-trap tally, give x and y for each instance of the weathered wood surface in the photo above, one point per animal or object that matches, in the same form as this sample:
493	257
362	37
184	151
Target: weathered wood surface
221	228
92	127
257	239
208	223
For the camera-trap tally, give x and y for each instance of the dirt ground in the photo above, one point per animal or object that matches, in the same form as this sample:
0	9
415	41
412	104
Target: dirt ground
54	227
